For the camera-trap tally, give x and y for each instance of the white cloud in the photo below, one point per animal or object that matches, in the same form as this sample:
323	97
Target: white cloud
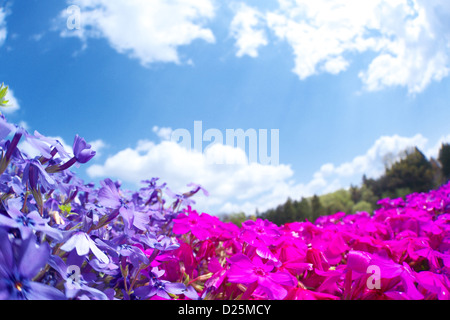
245	186
335	65
410	38
163	133
37	37
150	31
433	152
98	145
384	151
23	124
178	166
420	52
245	28
3	31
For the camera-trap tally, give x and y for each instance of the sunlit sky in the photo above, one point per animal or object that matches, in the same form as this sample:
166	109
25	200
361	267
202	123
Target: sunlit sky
348	83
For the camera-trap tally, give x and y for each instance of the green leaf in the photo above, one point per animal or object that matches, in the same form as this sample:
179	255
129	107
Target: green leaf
67	209
3	91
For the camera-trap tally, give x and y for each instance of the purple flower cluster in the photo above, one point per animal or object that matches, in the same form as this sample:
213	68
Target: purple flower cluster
63	239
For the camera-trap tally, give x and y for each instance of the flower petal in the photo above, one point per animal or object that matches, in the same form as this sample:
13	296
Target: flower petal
97	252
32	258
40	291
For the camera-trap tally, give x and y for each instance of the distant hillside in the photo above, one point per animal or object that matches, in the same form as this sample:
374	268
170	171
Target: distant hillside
412	173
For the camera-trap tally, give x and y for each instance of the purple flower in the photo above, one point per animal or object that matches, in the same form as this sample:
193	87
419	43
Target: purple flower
109	197
120	248
196	189
162	243
82	154
192	294
180	199
154	274
73	283
38	144
14	142
19	265
5	128
40	141
83	243
34	173
28	223
11	149
82	150
159	287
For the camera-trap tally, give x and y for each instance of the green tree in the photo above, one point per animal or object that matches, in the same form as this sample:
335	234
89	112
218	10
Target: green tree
412	173
290	214
338	201
355	194
444	159
363	206
316	208
237	218
368	195
279	216
303	209
374	185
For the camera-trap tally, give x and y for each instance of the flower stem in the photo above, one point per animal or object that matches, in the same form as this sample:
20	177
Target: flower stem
347	285
249	291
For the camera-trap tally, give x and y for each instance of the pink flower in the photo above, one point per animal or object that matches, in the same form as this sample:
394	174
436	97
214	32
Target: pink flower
260	230
398	279
305	294
193	222
433	285
246	271
317	259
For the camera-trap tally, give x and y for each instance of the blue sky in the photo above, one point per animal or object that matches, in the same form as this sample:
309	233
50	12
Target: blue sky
345	82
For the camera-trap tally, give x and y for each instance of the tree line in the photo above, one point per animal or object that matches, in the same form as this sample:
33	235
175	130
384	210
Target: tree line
412	172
